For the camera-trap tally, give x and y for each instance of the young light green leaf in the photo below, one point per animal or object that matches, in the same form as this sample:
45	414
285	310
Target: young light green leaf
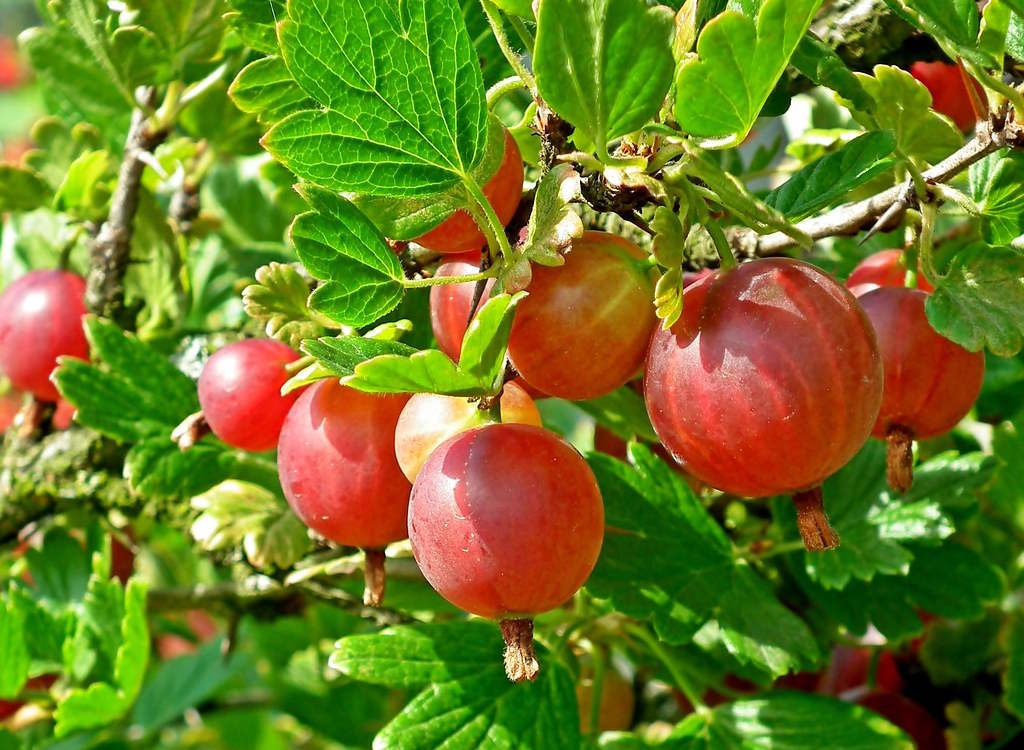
266	89
21	189
466	702
553	223
402	94
278	299
699	584
668	297
997	186
833	176
14	665
788	721
254	21
821	64
668	237
902	105
979	303
339	245
608	71
721	89
486	339
186	31
81	192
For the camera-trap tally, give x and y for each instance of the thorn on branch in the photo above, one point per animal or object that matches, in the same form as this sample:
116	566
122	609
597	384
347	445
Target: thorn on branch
192	429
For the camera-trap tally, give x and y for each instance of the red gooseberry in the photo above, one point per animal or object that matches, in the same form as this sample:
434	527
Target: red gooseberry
459	233
240	392
884	268
930	382
451	304
769	382
41	320
948	87
336	460
506	521
429	419
583	329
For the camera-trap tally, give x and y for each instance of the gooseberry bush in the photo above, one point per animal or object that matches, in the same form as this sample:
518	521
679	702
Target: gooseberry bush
503	374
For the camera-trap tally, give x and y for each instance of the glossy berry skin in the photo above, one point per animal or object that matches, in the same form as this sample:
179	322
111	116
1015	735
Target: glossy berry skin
41	320
506	520
459	233
584	328
949	91
884	268
930	382
336	461
240	392
769	382
429	419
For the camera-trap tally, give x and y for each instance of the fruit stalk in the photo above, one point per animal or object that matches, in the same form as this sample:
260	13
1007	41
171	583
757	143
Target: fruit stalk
811	520
520	659
374	577
899	458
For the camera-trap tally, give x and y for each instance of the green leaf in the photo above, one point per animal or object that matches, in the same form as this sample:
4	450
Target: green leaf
1013	677
157	467
60	569
553	223
102	702
980	301
996	183
82	193
402	94
14	665
833	176
180	684
955	651
237	514
409	218
74	86
254	22
823	66
467	702
949	581
608	70
788	721
187	30
278	300
21	189
377	366
902	105
133	392
721	89
952	22
266	89
697	584
339	245
623	412
875	525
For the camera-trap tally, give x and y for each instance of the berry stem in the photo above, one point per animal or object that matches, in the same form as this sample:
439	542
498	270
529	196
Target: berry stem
899	458
192	429
374	577
483	214
490	273
520	659
814	527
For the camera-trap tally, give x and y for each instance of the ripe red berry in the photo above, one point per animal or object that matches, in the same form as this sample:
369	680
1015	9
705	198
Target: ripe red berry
450	304
930	382
336	460
925	732
584	328
768	383
429	419
884	268
506	521
949	92
40	320
459	233
240	392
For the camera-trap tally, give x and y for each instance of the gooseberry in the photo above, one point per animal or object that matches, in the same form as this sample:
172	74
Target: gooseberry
450	304
768	383
336	460
506	521
584	328
930	382
459	233
41	320
240	392
429	419
948	87
884	268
